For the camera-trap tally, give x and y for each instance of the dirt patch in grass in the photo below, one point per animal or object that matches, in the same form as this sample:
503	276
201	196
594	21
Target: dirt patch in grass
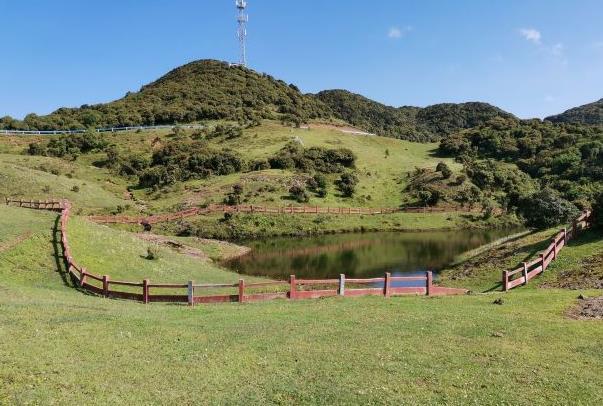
588	275
174	245
588	309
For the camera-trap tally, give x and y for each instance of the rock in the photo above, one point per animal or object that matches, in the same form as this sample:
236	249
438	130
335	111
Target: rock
497	334
582	297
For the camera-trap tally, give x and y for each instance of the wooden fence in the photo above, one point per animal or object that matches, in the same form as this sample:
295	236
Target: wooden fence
290	210
193	293
529	270
53	204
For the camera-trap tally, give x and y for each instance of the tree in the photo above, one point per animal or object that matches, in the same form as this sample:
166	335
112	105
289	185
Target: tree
545	209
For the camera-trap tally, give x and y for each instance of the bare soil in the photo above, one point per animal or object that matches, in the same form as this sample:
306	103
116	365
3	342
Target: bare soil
588	309
589	275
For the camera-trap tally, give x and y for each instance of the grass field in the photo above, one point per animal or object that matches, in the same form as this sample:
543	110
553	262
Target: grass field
60	346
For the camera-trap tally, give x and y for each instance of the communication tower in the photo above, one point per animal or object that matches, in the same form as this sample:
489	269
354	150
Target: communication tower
242	19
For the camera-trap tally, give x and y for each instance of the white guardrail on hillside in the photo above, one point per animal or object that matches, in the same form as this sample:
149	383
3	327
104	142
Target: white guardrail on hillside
100	130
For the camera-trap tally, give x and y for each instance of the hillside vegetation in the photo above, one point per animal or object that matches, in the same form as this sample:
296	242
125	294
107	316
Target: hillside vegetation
409	123
591	113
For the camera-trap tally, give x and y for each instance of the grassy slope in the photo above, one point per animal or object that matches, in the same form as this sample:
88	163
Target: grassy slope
484	271
255	225
455	350
31	177
382	178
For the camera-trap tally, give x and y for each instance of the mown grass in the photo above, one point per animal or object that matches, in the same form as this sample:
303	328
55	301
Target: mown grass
60	346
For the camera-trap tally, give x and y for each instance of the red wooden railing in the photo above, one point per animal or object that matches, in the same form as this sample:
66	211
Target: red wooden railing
529	270
294	289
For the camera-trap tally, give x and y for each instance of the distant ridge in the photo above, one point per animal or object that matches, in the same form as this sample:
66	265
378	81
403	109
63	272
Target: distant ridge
591	113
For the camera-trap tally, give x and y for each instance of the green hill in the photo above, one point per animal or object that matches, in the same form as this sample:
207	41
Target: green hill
587	114
410	123
201	90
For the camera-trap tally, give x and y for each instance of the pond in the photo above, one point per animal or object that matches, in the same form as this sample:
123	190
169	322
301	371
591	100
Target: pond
359	255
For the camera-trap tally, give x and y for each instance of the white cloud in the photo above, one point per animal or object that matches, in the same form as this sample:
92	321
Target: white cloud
531	35
397	32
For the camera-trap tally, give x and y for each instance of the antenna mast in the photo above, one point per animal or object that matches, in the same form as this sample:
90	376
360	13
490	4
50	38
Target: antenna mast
242	19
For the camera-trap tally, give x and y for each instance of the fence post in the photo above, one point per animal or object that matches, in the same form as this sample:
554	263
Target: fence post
82	276
292	288
505	280
191	293
525	272
106	285
554	248
241	291
428	282
145	291
386	285
341	291
542	259
564	236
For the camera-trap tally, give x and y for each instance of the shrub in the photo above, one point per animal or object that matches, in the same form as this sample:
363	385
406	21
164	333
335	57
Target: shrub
444	169
347	184
298	192
152	253
234	197
75	189
545	209
260	165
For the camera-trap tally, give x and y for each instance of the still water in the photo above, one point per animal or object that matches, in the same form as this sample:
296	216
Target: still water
360	255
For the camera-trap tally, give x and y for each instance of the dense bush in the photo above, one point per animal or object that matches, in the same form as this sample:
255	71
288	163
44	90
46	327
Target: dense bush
185	160
565	157
69	145
545	209
347	184
295	156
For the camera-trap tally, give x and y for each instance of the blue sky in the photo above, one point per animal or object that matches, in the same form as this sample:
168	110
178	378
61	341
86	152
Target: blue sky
532	58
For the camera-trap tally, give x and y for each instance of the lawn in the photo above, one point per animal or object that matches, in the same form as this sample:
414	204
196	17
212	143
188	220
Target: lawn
60	346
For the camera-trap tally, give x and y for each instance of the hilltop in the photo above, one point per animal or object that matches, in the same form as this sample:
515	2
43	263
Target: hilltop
591	113
213	90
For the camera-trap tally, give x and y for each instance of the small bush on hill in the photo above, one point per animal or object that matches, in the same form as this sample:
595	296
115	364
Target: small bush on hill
298	192
347	184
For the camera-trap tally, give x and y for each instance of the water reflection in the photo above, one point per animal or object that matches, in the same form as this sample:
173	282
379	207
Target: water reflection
359	255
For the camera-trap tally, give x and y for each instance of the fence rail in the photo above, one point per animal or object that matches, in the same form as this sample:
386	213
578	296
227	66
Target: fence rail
193	293
99	130
529	270
291	210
